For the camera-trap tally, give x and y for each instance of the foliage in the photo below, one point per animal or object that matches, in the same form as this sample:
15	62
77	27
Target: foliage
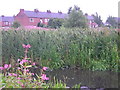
16	24
55	23
64	47
111	20
21	76
98	20
76	18
40	24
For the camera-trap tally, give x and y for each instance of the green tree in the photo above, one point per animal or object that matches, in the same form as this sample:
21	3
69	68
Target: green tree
75	18
16	24
97	19
111	20
55	23
40	24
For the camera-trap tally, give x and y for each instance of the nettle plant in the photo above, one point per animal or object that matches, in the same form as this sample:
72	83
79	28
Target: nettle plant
23	76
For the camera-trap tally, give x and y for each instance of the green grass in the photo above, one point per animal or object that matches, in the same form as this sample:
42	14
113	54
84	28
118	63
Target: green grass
87	48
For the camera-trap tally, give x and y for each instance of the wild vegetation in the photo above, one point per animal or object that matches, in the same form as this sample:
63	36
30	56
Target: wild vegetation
87	48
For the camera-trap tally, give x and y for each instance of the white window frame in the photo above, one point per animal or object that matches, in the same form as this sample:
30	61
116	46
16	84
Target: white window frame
41	21
6	23
31	19
46	20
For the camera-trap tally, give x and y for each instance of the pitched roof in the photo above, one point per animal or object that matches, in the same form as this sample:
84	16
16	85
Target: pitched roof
90	17
45	14
117	18
7	18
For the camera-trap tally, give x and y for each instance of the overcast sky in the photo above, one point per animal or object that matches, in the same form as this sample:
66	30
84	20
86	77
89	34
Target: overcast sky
103	7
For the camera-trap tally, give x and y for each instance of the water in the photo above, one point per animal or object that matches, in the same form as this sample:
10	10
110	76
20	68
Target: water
92	79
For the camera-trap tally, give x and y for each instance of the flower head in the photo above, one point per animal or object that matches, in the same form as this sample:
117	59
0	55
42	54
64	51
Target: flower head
10	74
14	74
1	68
19	78
44	77
23	61
44	68
7	66
26	46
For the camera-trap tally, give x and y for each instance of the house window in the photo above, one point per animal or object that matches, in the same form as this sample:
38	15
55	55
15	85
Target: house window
31	20
41	21
46	20
6	23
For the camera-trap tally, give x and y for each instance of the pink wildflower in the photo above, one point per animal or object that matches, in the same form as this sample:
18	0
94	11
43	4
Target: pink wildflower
26	70
18	60
33	63
19	78
26	46
44	77
1	68
14	74
23	61
6	66
18	68
32	73
45	68
9	65
10	74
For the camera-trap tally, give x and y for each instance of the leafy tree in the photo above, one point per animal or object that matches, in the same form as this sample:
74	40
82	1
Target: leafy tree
111	20
75	18
69	10
40	24
98	20
55	23
16	24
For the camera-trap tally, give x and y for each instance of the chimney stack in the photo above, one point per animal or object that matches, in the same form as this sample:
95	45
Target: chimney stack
60	12
21	10
36	10
48	11
2	16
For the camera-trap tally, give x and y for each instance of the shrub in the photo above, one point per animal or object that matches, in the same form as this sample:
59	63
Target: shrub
55	23
16	24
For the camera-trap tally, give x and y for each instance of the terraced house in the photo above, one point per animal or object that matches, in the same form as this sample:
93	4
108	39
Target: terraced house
28	18
6	21
32	18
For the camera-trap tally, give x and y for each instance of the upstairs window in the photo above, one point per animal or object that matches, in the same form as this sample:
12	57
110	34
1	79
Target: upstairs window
31	20
6	23
46	20
41	21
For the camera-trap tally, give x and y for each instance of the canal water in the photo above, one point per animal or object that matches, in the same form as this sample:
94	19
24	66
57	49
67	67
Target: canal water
91	79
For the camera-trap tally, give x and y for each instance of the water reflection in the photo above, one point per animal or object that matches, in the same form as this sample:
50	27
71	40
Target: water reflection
92	79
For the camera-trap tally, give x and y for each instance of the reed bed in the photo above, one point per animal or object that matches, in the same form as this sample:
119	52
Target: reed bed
95	49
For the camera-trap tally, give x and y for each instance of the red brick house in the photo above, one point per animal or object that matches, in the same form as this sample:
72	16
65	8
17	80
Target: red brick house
6	21
32	18
91	22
